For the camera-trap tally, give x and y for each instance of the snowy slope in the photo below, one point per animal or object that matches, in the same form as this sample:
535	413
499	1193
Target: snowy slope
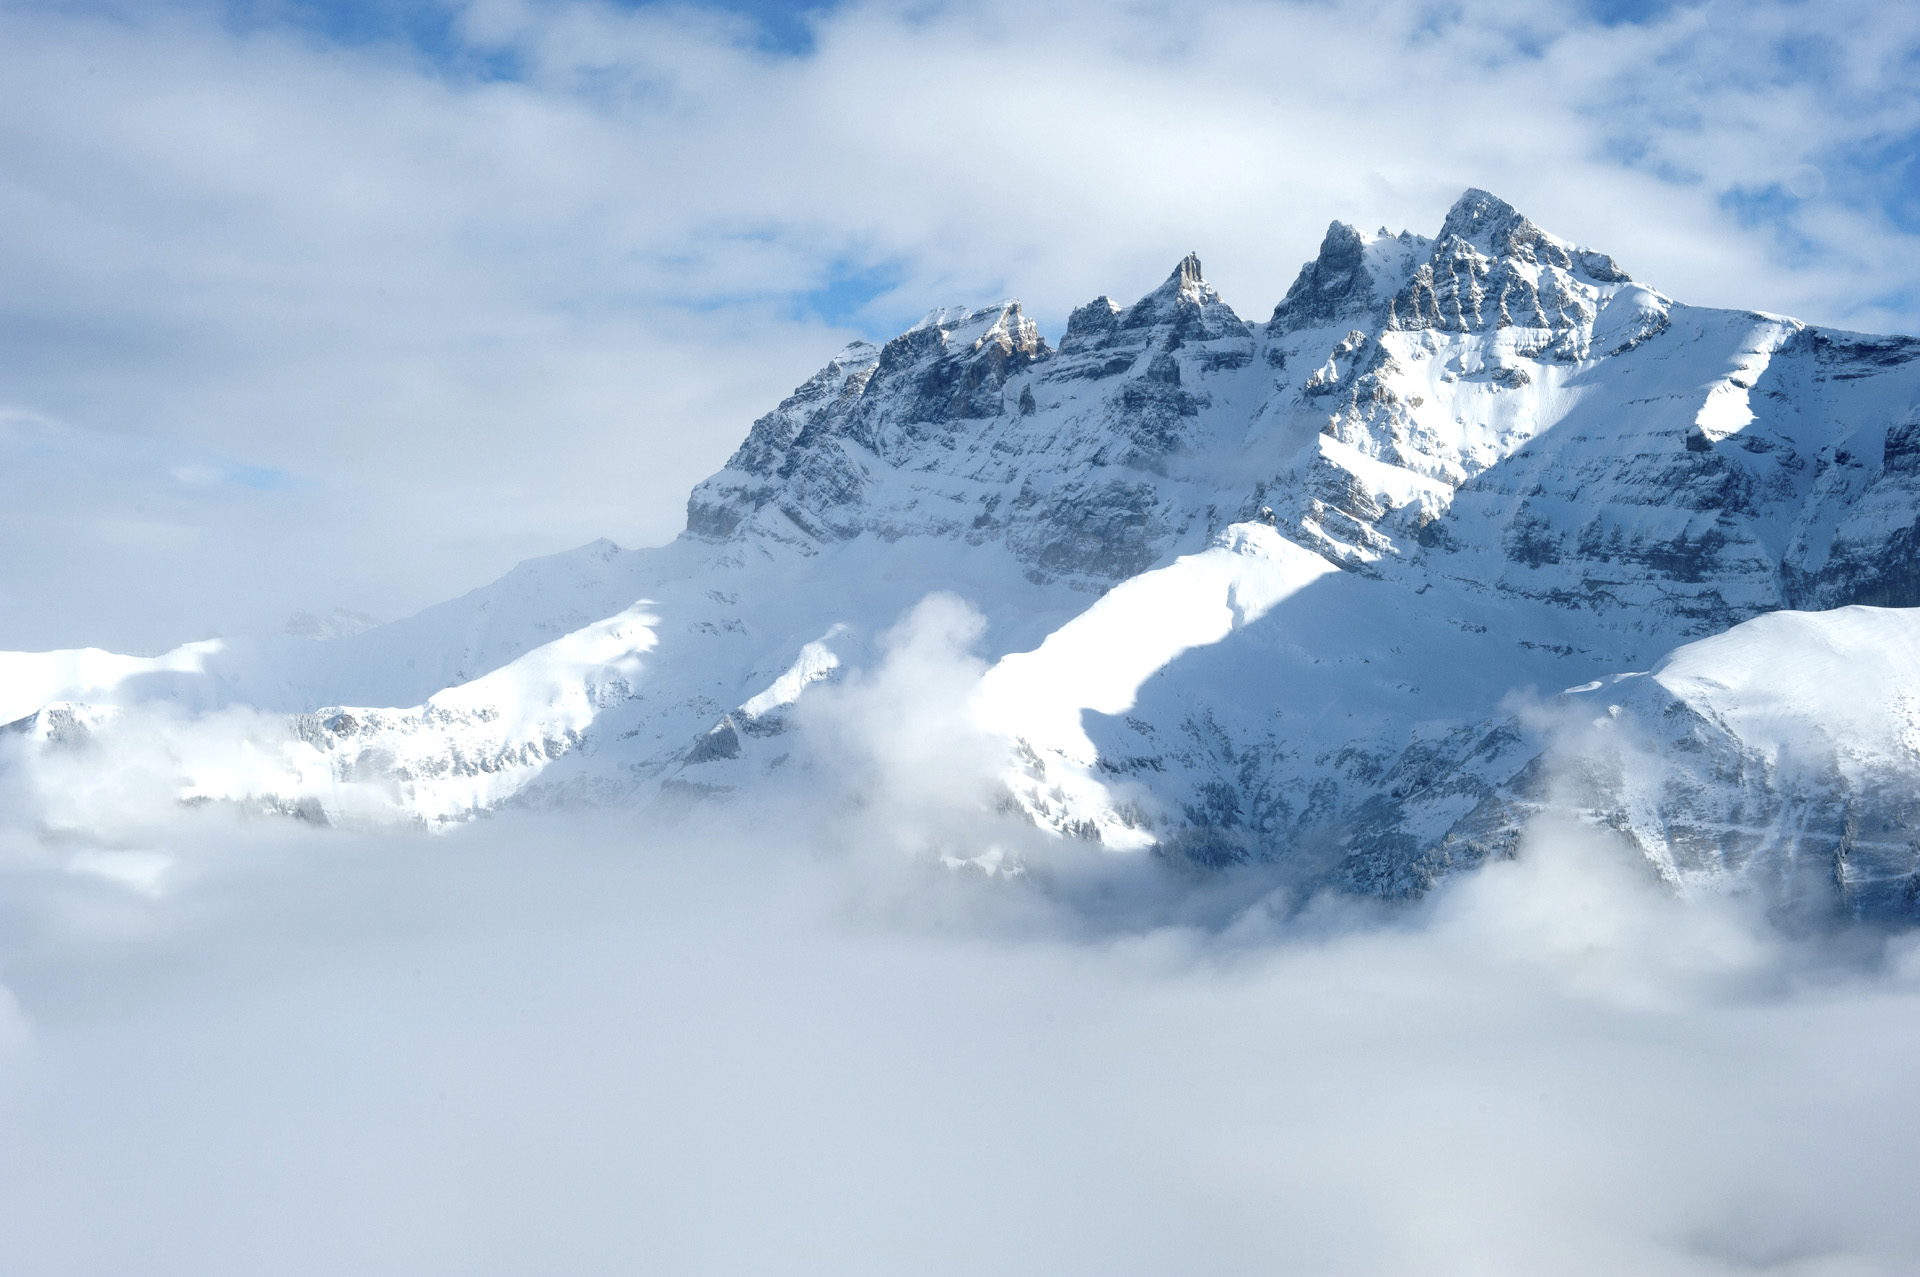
29	680
1289	590
1786	750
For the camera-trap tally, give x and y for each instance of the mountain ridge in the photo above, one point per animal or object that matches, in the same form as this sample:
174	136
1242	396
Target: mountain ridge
1337	544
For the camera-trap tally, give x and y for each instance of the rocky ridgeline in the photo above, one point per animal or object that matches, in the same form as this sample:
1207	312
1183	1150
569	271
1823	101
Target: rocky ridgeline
1709	465
970	424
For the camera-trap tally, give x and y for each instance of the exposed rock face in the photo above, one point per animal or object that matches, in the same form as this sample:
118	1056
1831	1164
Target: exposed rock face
767	461
1337	285
969	424
1785	753
1498	412
1859	539
1492	268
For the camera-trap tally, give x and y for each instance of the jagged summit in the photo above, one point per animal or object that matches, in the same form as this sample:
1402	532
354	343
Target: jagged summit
1481	215
1397	371
1488	266
1183	300
1185	303
952	320
1078	432
1497	229
1188	279
1337	284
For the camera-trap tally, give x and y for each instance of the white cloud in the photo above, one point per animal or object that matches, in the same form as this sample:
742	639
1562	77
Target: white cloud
778	1036
489	317
545	1044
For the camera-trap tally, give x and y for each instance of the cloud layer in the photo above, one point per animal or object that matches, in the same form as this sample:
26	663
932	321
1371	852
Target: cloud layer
588	1046
819	1031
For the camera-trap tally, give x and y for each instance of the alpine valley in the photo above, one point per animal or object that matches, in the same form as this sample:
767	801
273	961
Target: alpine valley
1469	526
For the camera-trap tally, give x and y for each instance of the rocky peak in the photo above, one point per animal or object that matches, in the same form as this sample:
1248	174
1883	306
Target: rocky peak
1187	304
998	331
1492	268
1105	338
950	366
831	391
1090	326
1335	285
1485	220
1187	275
960	329
1496	229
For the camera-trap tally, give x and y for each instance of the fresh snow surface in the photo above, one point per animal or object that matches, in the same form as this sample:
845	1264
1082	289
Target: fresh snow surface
1098	660
1843	684
29	680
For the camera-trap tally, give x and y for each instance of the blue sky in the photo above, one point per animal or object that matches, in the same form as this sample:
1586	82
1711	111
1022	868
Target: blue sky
431	27
426	24
490	278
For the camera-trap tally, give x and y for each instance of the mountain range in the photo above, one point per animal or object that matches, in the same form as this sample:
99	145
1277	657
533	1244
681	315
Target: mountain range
1469	526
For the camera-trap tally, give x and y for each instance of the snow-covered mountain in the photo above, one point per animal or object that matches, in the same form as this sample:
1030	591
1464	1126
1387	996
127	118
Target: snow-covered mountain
1305	590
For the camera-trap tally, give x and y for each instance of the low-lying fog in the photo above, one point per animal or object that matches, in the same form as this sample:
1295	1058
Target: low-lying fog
784	1035
591	1045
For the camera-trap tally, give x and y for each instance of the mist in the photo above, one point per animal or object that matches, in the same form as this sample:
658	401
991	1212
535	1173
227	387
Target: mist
860	1020
599	1043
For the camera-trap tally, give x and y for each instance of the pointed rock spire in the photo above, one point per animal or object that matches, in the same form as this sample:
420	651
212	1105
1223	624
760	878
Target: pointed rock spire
1186	301
1187	283
1187	277
1335	285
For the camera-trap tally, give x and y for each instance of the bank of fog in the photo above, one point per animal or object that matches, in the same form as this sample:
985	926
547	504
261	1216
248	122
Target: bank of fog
785	1036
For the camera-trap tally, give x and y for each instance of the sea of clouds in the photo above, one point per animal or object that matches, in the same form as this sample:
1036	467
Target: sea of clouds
588	1044
786	1034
